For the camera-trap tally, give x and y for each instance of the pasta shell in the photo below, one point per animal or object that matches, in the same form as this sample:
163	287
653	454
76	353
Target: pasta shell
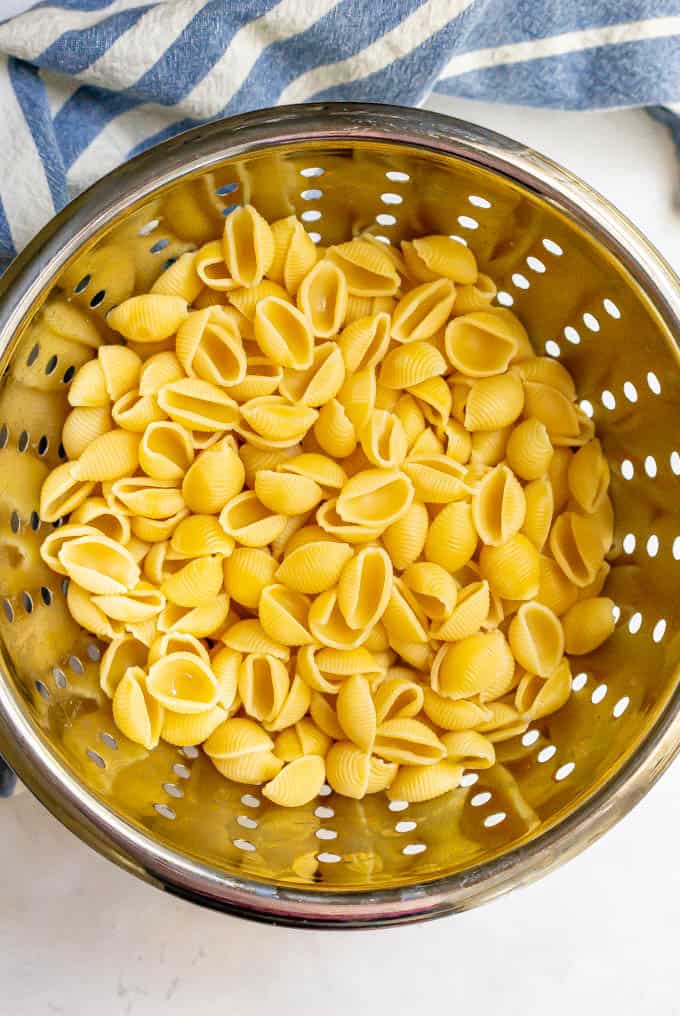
423	311
294	707
330	522
215	478
468	615
475	297
481	344
163	645
88	388
248	246
123	653
452	538
375	498
426	444
397	697
408	742
459	714
319	468
470	749
536	638
357	396
283	333
529	450
141	495
198	405
412	417
488	447
368	269
121	368
436	478
553	409
505	722
318	383
298	783
433	587
159	370
212	271
150	317
198	582
588	476
283	614
156	530
558	474
536	698
328	626
539	514
547	371
324	717
333	664
69	321
183	683
466	668
334	430
96	513
209	347
434	398
226	665
409	365
286	493
134	606
294	253
576	545
364	342
58	538
494	402
201	536
364	587
135	712
250	637
403	616
315	566
87	614
274	418
293	525
246	573
425	783
498	506
322	298
595	587
134	412
166	451
404	539
261	378
348	769
183	731
82	425
555	590
98	564
200	621
180	279
588	624
512	570
263	685
305	738
249	522
247	298
62	492
236	738
254	768
108	457
429	256
381	775
356	712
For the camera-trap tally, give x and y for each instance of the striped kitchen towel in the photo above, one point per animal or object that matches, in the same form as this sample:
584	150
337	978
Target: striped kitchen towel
84	84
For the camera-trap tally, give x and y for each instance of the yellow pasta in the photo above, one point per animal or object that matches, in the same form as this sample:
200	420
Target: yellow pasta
383	440
209	347
364	587
511	569
498	507
322	298
404	540
166	451
368	268
433	587
213	479
334	430
494	402
283	333
249	522
482	343
136	713
576	545
466	617
150	317
588	476
539	511
320	382
423	310
452	538
409	365
365	341
529	450
298	783
248	246
536	638
375	497
356	712
294	253
587	624
428	257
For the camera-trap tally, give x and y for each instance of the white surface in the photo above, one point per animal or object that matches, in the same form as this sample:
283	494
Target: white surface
78	936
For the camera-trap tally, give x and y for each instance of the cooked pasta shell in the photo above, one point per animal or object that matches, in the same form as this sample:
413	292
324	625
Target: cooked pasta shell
198	582
67	320
539	511
466	668
322	298
198	405
304	738
248	246
180	279
468	615
482	344
134	606
403	616
364	342
434	398
253	768
364	587
82	425
236	738
498	506
536	698
275	419
62	492
348	769
183	683
320	382
553	409
212	271
426	444
262	377
121	368
294	706
536	638
298	783
319	468
325	718
201	536
200	621
476	296
163	645
353	533
97	514
283	333
494	402
409	365
150	317
408	742
588	624
135	712
356	712
576	545
246	299
108	457
283	614
357	396
505	723
88	614
249	636
529	449
159	370
397	697
88	387
156	530
209	347
436	478
226	664
427	257
328	626
263	685
215	478
182	730
470	749
293	525
511	569
249	522
166	451
286	493
452	538
375	497
58	538
404	539
547	371
558	474
98	564
412	417
555	590
425	782
603	519
368	269
423	311
433	587
141	495
458	714
588	476
595	587
294	253
122	653
135	413
246	573
334	430
315	566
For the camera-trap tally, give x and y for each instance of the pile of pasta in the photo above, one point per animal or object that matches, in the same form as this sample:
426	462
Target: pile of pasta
335	519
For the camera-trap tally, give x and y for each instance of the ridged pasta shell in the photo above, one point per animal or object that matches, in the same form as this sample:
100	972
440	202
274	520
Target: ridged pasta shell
121	654
82	425
87	614
380	775
424	783
298	783
404	539
261	378
215	478
529	449
294	706
226	664
397	697
198	405
436	478
166	451
320	382
459	714
176	643
588	624
305	738
553	409
236	738
458	441
121	368
576	545
263	685
150	317
156	530
364	342
201	621
159	370
408	365
498	506
246	573
209	347
466	668
427	444
536	638
98	564
488	448
354	533
408	742
428	256
383	440
435	399
558	474
375	498
481	344
212	271
62	492
96	513
433	587
183	683
348	769
135	712
315	566
334	430
183	731
249	636
452	538
322	298
475	297
368	269
547	371
357	396
135	413
276	419
319	468
403	616
505	723
294	253
246	298
536	698
249	522
283	333
88	387
198	582
137	605
248	246
364	587
555	590
356	712
588	476
423	311
58	538
512	570
180	279
283	614
141	495
324	717
332	664
539	511
412	417
286	493
328	626
254	768
494	402
200	536
468	615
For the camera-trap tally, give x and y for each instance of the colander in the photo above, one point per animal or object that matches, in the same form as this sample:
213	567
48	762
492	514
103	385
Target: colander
590	290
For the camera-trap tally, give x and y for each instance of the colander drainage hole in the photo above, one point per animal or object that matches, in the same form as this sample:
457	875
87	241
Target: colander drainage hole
326	834
69	374
579	681
480	799
46	595
228	188
159	245
545	754
81	286
59	677
635	623
312	171
246	822
173	790
598	694
620	707
388	198
191	751
405	826
325	791
411	849
95	757
328	858
611	308
385	219
519	280
564	771
591	322
33	355
27	601
42	689
8	610
653	383
244	845
24	441
182	771
108	739
398	805
51	365
493	820
323	812
397	176
4	435
504	298
571	335
76	665
468	779
250	801
535	264
311	194
149	227
165	811
93	652
478	201
552	247
531	737
467	222
311	215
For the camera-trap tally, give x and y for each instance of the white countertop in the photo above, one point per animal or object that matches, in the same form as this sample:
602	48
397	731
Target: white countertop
78	936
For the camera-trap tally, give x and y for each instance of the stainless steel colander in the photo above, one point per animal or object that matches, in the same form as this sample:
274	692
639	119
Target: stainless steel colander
590	290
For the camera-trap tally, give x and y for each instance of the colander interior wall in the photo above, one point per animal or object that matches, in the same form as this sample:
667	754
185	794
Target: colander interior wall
578	302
